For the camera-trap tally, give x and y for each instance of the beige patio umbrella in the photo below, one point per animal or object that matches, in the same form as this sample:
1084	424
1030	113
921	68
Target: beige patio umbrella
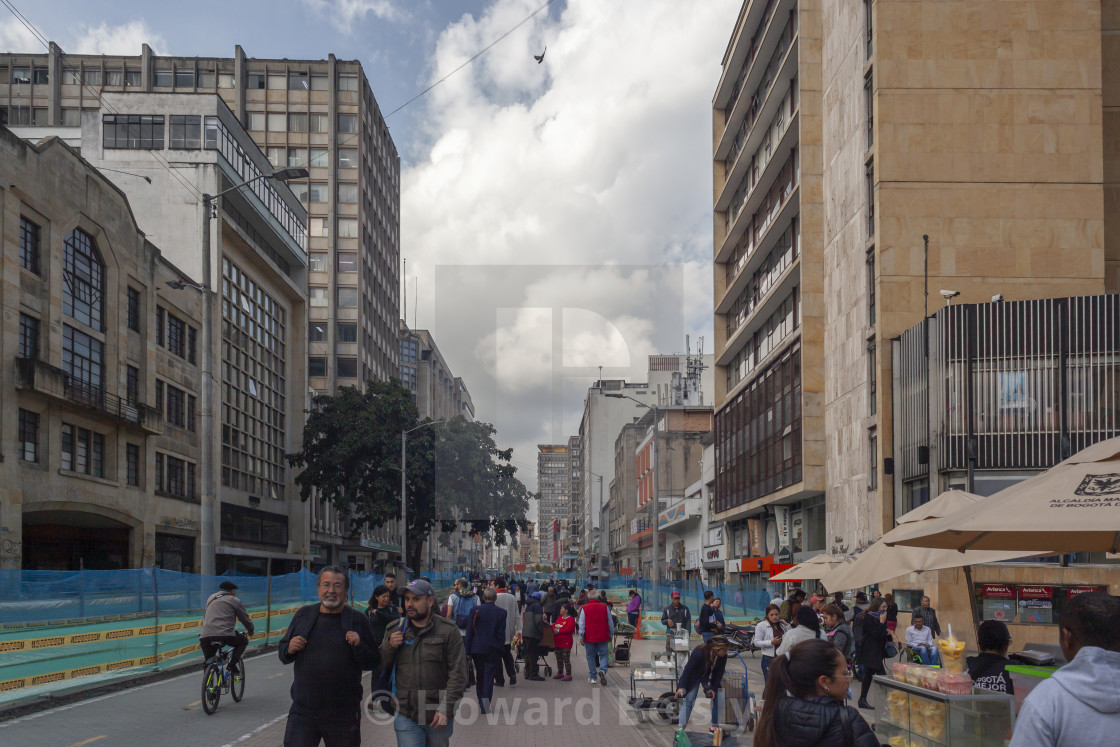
881	561
814	568
1072	507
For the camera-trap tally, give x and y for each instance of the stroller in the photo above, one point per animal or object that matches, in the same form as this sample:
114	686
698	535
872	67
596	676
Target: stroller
544	649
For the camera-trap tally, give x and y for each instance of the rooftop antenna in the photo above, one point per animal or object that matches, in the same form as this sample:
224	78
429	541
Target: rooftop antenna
415	298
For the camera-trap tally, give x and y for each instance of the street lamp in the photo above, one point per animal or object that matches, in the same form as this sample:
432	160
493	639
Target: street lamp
404	488
655	549
209	490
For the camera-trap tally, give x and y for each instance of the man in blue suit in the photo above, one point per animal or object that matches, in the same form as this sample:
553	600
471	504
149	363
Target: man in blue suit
486	637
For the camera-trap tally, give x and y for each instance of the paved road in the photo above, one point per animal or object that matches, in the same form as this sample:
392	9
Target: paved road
167	712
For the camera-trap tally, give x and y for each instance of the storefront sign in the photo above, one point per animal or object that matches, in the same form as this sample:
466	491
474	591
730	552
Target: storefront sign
712	554
756	565
715	536
781	517
754	532
777	568
1073	591
1036	592
997	590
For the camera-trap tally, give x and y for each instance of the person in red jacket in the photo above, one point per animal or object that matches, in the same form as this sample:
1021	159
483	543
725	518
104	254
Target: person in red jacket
564	630
596	628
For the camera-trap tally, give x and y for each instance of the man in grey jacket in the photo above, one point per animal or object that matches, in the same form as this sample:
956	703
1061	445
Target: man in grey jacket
219	623
508	602
1079	706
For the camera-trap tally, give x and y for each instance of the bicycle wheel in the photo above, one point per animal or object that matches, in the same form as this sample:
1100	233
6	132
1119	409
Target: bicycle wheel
237	687
211	688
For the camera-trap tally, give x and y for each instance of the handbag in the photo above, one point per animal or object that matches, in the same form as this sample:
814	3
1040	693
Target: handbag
890	650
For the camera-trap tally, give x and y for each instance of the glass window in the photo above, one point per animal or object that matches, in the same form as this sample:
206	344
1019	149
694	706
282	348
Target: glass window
317	331
348	82
297	122
872	376
347	298
347	367
132	384
317	296
83	451
317	261
254	121
277	122
297	156
255	80
29	245
317	192
184	78
297	81
185	131
225	80
347	261
42	76
39	117
319	228
205	78
277	157
133	79
319	82
21	76
91	77
872	461
133	309
316	366
83	279
347	158
347	122
299	190
28	436
347	332
348	228
347	193
319	157
277	81
320	123
132	464
164	78
71	117
114	78
28	336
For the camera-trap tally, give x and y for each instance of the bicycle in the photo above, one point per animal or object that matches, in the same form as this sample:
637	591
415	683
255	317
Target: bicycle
218	679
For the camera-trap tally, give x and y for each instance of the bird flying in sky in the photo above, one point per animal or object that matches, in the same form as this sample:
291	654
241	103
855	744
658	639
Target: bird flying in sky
540	57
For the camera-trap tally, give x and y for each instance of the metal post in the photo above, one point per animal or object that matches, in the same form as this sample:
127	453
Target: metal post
656	549
268	605
207	432
404	505
155	608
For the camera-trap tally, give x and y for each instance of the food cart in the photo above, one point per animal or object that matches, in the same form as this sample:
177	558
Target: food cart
661	669
912	712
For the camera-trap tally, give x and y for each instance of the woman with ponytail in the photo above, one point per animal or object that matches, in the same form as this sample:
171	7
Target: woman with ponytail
804	701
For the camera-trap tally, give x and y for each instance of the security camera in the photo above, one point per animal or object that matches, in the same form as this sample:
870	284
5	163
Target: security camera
997	298
947	294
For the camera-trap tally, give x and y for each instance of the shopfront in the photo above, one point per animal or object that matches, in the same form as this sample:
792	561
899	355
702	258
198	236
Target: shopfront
1026	604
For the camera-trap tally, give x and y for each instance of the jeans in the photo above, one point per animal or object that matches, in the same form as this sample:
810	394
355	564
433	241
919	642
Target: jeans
707	636
766	666
690	700
211	643
485	667
596	652
928	655
306	729
412	734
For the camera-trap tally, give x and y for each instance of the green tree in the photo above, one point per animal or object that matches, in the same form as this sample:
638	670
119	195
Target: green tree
456	473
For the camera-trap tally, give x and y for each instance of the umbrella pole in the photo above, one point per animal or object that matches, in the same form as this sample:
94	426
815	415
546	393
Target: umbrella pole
972	606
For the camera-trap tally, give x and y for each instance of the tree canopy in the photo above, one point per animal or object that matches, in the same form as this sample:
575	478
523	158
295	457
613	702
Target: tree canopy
456	474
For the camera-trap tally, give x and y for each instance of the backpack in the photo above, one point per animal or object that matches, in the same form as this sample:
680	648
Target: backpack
463	610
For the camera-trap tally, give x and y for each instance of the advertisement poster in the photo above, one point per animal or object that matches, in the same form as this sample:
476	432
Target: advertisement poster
1014	390
754	531
998	602
798	531
781	518
1036	604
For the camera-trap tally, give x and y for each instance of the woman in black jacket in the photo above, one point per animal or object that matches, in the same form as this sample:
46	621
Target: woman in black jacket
704	670
380	612
872	638
804	701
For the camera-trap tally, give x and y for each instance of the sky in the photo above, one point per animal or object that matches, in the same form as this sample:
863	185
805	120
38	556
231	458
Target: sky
556	217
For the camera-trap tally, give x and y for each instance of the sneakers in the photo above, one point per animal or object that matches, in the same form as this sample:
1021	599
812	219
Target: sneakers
567	678
558	676
592	681
603	677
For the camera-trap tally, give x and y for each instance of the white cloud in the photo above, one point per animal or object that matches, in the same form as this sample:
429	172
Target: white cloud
599	159
14	37
344	13
126	39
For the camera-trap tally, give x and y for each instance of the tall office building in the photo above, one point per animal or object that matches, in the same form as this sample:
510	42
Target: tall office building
844	133
317	114
553	468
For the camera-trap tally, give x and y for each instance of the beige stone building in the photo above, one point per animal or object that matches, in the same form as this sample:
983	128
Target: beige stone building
987	127
99	385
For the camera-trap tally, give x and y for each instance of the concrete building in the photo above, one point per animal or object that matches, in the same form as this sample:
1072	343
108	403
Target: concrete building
627	523
1001	158
317	114
438	393
104	379
553	469
574	527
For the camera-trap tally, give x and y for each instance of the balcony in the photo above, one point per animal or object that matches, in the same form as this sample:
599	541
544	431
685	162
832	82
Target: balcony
53	382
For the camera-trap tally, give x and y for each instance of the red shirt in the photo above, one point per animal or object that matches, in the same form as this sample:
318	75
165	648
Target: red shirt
596	625
564	629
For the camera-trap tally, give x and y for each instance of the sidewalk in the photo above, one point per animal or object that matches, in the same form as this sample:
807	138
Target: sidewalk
526	715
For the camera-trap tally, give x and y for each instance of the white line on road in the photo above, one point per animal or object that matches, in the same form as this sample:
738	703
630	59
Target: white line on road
256	731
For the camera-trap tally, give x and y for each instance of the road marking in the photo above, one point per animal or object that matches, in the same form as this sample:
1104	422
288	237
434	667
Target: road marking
256	731
274	676
192	705
87	741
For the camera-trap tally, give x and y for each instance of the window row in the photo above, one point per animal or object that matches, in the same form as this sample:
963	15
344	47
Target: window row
175	335
345	367
299	122
190	76
178	407
346	331
318	158
343	261
83	450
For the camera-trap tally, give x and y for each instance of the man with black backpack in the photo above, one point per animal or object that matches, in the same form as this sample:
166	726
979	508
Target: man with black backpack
462	602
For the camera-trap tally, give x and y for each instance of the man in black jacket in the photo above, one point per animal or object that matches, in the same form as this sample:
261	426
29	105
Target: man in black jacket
331	645
929	615
486	637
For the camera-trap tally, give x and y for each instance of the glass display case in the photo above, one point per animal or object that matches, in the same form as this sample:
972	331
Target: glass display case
912	716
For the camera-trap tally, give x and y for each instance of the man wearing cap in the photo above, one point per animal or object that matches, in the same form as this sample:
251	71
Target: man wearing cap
788	610
223	610
676	615
331	644
429	665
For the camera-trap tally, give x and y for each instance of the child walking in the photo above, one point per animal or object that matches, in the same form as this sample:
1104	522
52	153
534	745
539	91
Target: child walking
563	636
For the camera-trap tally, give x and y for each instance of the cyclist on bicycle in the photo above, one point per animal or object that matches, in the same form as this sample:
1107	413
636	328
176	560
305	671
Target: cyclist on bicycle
223	610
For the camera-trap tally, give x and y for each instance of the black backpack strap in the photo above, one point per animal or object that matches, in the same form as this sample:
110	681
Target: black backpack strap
846	726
